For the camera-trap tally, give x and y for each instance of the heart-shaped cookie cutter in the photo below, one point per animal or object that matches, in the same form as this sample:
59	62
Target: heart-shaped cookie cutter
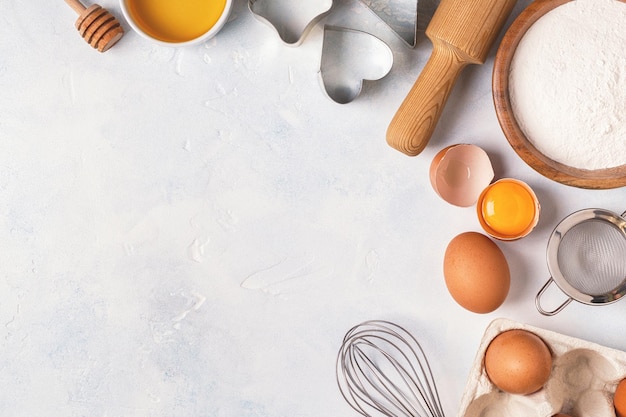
291	19
349	58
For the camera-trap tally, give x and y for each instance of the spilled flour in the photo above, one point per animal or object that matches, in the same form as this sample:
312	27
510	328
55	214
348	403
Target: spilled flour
568	84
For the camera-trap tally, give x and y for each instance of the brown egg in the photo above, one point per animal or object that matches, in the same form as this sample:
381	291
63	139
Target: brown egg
619	399
476	272
561	415
518	362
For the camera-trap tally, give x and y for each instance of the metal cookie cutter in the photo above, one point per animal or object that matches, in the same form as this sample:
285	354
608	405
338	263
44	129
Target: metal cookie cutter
399	15
292	19
349	57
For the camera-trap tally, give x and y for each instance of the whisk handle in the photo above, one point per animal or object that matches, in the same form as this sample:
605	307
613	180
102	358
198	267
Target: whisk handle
538	301
76	5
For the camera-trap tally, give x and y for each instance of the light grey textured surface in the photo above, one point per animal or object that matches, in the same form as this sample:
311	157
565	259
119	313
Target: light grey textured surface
191	232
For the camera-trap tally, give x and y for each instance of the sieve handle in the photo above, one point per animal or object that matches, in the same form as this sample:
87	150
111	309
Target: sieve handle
538	300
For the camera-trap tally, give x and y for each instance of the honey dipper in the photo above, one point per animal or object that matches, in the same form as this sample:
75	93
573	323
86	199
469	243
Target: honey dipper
96	25
462	32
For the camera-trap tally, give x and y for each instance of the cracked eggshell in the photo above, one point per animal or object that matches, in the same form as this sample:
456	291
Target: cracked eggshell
459	173
583	380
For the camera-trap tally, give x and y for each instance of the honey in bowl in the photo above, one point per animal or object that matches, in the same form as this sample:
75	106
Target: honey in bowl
178	21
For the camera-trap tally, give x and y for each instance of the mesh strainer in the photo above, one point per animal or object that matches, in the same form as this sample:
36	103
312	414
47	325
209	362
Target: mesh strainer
587	258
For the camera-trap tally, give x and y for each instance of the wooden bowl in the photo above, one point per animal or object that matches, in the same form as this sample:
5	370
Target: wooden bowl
593	179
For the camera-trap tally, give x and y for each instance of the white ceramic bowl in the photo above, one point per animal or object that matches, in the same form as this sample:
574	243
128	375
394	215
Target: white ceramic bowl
213	30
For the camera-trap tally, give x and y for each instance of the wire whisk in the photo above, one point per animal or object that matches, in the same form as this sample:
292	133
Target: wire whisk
382	370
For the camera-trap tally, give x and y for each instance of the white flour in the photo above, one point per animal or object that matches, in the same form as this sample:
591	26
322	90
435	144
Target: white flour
568	84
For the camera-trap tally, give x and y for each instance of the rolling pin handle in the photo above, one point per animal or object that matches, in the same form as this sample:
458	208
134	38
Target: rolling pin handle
416	118
76	5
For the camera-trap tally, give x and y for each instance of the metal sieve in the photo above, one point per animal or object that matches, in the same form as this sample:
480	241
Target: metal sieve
586	258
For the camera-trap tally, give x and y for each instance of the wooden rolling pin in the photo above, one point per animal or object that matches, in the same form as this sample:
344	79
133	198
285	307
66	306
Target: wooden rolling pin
462	33
97	25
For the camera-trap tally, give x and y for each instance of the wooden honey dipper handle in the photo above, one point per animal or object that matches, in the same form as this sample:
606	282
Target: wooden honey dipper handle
96	25
76	5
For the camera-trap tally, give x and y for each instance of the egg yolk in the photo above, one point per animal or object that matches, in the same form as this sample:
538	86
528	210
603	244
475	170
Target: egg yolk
508	208
176	21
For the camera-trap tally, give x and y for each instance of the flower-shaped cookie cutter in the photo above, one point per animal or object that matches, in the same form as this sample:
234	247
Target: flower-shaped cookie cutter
291	19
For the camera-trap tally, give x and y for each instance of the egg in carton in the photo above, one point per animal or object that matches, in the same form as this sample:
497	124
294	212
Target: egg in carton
582	382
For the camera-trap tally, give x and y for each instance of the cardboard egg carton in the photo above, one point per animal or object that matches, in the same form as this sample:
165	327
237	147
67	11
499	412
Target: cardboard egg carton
583	379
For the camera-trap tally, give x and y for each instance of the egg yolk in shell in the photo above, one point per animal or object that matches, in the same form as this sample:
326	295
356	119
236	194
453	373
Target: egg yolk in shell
508	208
